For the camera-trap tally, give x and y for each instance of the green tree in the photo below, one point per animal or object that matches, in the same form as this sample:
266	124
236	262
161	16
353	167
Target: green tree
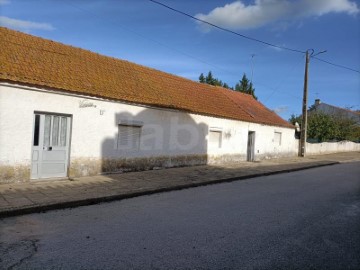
209	79
323	127
245	86
295	118
202	78
225	85
348	129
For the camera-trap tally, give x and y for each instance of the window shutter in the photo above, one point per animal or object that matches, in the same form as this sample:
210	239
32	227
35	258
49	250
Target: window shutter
215	138
129	137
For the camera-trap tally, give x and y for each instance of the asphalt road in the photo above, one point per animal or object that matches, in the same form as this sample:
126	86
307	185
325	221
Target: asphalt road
302	220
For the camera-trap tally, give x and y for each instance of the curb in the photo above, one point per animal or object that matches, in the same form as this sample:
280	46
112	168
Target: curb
92	201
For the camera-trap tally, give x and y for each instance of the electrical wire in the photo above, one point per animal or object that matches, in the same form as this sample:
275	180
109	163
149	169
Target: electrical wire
247	37
227	30
336	65
280	83
276	89
176	50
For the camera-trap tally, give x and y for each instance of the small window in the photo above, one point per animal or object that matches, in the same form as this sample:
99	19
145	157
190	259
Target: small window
215	138
129	137
277	138
36	130
55	131
47	130
63	131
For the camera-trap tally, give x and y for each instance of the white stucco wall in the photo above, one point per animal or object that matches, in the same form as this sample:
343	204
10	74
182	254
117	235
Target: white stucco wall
95	129
331	147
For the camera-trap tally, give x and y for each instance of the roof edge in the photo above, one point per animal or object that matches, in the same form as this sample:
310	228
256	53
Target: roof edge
44	88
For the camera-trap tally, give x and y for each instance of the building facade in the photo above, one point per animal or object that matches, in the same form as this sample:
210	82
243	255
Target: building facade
67	112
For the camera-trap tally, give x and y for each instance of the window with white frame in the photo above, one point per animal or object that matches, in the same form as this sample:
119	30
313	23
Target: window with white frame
277	138
215	138
129	137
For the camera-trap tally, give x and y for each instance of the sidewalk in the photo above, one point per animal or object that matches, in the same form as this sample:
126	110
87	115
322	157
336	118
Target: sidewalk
37	196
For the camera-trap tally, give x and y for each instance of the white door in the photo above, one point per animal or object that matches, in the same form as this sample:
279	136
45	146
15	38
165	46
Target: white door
50	149
251	146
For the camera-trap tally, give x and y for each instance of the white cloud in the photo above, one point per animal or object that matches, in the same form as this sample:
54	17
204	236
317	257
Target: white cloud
277	49
237	15
24	25
4	2
281	109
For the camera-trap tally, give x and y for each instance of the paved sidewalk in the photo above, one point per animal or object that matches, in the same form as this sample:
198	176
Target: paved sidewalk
37	196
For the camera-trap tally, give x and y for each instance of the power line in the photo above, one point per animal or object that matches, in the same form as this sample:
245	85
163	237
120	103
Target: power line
135	33
221	28
227	30
247	37
169	47
336	65
280	83
276	89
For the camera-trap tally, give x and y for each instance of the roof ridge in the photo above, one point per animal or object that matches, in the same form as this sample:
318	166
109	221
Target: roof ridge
337	107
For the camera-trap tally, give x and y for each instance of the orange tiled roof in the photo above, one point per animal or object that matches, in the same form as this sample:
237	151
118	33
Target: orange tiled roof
36	61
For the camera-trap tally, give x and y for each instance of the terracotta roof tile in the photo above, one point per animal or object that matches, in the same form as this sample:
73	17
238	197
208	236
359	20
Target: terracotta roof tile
32	60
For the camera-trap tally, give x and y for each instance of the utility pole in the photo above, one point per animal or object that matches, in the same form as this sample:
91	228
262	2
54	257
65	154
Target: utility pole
303	134
304	109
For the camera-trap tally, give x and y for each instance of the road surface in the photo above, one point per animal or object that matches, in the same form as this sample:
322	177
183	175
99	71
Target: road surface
303	220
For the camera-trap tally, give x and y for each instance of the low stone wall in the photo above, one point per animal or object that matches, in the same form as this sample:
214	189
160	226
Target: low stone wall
331	147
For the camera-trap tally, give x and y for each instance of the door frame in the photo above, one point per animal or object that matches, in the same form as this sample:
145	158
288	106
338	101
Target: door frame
40	136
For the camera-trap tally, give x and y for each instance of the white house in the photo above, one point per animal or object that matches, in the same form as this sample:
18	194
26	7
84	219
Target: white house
68	112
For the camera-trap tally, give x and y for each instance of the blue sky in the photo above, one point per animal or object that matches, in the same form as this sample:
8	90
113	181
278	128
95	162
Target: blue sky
145	33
